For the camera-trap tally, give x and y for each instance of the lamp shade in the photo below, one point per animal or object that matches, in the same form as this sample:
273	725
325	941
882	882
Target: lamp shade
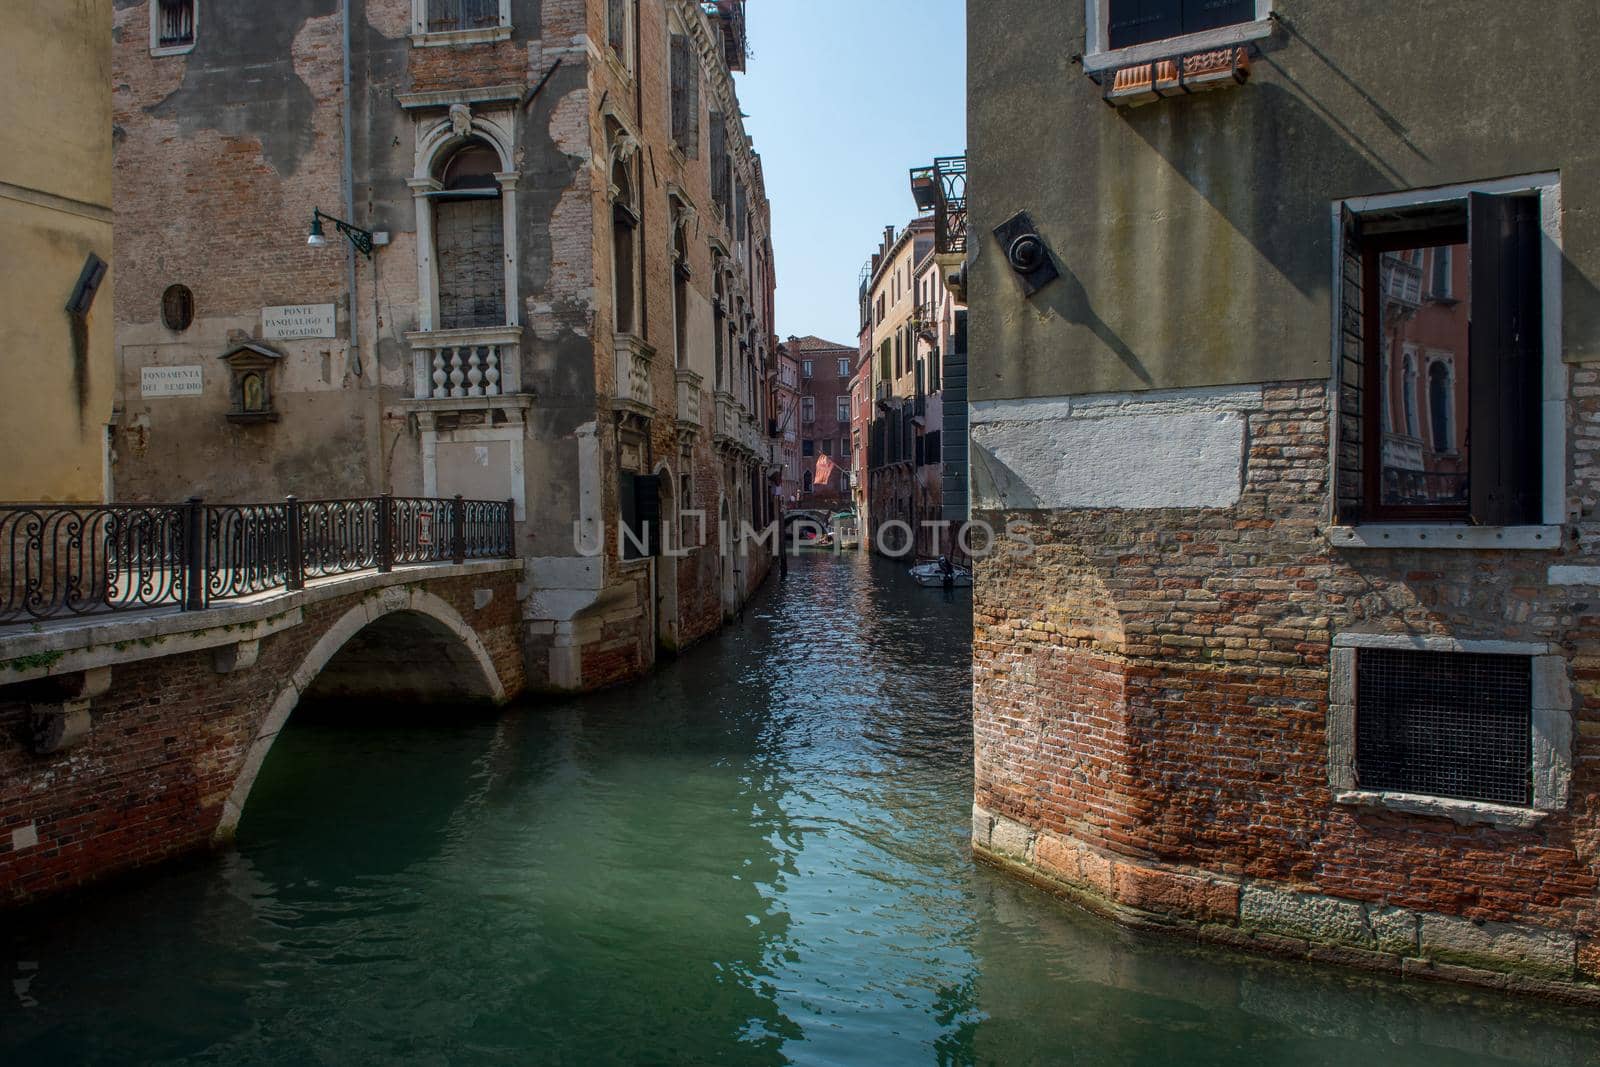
316	239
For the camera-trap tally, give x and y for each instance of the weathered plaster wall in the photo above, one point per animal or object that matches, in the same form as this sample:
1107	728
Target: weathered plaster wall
1193	236
55	210
218	173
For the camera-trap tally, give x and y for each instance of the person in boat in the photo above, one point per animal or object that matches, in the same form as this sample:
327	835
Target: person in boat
947	572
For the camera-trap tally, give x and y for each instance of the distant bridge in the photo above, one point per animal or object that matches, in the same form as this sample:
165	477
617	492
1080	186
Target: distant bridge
150	654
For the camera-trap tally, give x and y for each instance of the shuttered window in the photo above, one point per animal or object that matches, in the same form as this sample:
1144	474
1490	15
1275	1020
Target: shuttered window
685	96
1477	456
471	256
719	158
1132	22
617	25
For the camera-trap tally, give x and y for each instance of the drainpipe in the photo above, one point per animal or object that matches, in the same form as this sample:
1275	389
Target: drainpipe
348	182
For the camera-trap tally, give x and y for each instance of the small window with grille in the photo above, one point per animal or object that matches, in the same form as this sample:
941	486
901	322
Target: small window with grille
1445	724
459	21
172	26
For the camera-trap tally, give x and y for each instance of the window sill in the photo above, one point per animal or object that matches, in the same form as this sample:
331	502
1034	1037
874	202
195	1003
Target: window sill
1443	535
443	38
1464	812
1221	37
158	51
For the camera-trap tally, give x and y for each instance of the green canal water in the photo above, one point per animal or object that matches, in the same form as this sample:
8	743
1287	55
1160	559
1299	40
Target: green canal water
759	856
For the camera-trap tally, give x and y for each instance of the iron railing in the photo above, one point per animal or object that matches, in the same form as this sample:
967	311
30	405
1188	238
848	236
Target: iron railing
942	188
64	560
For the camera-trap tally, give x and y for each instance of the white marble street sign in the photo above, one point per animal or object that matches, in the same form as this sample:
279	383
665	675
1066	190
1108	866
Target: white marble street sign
296	321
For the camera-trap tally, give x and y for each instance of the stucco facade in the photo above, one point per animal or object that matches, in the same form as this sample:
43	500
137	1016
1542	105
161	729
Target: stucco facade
1180	657
564	307
55	214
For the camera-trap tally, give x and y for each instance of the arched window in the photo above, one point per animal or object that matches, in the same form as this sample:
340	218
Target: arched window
1441	406
719	317
624	249
680	292
469	239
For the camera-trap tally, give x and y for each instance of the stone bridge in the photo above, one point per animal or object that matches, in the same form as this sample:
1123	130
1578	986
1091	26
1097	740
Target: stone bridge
130	739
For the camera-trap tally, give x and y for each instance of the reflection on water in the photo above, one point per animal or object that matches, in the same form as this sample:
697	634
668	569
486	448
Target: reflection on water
760	856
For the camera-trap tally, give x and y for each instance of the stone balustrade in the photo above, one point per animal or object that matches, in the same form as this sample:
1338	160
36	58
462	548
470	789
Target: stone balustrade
689	398
634	390
459	364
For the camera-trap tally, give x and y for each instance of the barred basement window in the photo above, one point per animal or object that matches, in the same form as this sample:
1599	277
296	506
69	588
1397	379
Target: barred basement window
1445	724
1482	460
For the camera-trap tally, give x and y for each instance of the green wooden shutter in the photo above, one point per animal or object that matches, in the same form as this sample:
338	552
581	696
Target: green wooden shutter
680	89
1505	361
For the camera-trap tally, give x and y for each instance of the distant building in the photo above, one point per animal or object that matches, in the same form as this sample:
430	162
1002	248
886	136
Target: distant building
57	358
825	417
913	326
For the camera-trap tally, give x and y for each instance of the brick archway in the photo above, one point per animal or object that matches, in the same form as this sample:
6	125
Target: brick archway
436	617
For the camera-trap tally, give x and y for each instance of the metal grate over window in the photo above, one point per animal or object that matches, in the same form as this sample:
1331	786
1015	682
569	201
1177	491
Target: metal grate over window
1445	724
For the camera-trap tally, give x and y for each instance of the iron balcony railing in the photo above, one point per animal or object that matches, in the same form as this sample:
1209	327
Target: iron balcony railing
64	560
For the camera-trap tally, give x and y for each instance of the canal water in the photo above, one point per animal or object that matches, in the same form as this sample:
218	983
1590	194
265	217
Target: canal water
759	856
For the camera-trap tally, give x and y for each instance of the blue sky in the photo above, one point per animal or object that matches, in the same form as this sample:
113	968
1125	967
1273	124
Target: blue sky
843	97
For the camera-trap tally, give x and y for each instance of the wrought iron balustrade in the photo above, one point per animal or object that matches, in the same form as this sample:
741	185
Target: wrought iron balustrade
64	560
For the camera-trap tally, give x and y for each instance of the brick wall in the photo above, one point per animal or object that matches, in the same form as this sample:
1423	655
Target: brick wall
168	743
1151	690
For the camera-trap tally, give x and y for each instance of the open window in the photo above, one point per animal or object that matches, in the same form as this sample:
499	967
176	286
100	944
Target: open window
619	30
624	249
1440	415
469	239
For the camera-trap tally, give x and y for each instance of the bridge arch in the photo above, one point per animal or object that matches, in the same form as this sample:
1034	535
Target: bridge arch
463	666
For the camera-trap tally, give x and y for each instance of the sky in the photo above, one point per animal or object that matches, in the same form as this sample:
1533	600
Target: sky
842	99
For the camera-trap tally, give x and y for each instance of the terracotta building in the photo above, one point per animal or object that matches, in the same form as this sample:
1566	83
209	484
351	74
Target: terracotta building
824	418
541	271
1284	378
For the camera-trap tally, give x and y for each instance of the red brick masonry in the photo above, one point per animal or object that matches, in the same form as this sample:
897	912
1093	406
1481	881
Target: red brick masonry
173	736
1150	696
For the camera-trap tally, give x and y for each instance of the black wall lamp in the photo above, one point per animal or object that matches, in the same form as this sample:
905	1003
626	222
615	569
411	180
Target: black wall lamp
1026	252
362	239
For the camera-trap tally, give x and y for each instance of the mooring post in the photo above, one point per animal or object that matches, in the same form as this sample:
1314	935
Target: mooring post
458	531
385	533
295	576
194	555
